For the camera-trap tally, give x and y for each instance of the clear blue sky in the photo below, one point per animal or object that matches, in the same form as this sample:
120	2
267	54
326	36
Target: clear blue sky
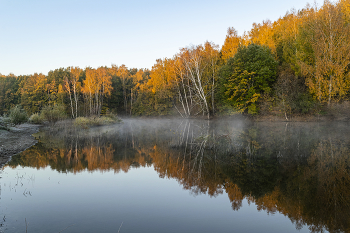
39	36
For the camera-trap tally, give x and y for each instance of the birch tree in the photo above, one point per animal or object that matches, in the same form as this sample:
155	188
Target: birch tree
104	86
67	85
193	65
324	56
196	69
89	88
75	74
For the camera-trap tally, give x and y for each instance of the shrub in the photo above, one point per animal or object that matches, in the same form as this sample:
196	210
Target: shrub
111	115
105	120
36	119
82	122
18	115
53	114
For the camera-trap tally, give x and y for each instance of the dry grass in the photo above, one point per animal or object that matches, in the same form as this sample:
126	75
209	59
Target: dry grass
86	122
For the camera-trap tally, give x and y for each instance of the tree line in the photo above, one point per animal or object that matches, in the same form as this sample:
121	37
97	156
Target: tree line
295	65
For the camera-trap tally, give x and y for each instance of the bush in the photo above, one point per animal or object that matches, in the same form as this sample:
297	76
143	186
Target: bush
36	119
18	115
111	115
53	114
82	122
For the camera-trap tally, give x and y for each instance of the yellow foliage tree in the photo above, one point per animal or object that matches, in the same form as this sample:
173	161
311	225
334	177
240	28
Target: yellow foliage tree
326	67
345	8
35	92
90	86
263	34
231	44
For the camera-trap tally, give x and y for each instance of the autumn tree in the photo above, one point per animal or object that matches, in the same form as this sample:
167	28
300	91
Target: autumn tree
324	54
76	85
231	44
104	85
196	72
116	99
90	86
263	34
286	32
67	85
139	87
9	97
162	84
123	73
211	58
246	76
34	92
55	85
345	8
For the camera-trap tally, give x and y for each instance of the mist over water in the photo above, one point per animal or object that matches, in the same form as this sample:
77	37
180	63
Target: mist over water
175	175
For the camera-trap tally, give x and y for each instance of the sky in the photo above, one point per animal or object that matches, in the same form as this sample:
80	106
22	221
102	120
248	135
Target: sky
37	36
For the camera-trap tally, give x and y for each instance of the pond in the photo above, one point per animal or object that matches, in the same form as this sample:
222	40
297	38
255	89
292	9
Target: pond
170	175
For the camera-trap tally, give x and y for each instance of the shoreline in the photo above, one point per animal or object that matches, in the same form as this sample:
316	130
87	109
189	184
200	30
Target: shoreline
18	139
306	118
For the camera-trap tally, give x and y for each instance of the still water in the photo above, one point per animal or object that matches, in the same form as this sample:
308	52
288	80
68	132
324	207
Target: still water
181	176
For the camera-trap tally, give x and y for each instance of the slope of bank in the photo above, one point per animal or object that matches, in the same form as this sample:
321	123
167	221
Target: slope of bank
18	139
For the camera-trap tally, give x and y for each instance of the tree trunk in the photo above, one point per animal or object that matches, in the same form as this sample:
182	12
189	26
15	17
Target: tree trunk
330	91
130	101
70	96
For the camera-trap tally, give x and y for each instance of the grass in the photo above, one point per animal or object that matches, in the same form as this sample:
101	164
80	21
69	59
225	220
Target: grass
86	122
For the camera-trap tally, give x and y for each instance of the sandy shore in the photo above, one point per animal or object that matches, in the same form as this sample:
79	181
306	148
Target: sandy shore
16	140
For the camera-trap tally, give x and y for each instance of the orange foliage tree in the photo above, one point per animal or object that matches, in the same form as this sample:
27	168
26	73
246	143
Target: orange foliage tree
231	44
97	85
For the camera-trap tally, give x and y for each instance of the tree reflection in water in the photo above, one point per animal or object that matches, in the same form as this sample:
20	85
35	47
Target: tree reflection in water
299	170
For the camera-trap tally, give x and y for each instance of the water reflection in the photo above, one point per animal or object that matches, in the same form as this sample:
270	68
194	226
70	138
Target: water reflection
299	170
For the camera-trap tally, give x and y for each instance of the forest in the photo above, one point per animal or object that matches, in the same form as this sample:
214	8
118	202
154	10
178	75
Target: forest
296	65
